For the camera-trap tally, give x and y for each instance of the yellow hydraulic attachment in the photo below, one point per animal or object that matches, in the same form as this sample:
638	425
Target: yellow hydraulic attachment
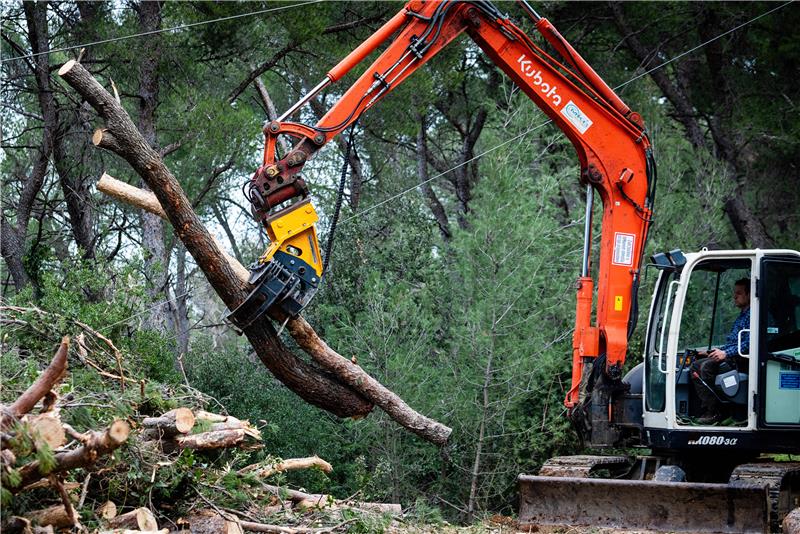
288	274
292	230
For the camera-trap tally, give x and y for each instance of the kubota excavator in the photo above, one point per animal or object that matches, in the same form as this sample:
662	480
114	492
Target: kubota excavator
689	477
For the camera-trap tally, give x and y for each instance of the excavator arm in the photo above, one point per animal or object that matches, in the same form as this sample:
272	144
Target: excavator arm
612	145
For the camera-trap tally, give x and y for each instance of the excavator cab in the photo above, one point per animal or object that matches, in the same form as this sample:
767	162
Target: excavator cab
695	477
758	390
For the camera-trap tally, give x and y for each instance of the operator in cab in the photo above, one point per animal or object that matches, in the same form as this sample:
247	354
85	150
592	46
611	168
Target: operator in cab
722	359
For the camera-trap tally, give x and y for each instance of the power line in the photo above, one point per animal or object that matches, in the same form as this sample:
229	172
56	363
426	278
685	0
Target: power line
162	30
398	195
682	54
701	45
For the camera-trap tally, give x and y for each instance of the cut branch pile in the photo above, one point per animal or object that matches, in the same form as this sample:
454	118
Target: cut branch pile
43	463
32	452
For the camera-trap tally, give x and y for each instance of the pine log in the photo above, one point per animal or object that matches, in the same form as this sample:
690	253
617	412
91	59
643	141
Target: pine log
140	518
55	515
97	444
211	522
46	428
107	510
134	531
353	391
220	439
46	381
288	465
172	423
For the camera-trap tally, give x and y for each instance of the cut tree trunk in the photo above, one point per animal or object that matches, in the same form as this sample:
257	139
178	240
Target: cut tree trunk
172	423
122	137
55	515
211	522
140	518
47	428
219	439
352	391
289	465
96	444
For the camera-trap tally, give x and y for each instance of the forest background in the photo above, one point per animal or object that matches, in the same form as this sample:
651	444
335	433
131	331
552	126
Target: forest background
452	278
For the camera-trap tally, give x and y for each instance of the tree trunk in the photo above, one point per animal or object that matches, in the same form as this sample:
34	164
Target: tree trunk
345	396
172	423
427	189
156	260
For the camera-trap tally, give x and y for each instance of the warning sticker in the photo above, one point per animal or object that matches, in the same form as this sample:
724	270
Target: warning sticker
789	381
729	381
623	249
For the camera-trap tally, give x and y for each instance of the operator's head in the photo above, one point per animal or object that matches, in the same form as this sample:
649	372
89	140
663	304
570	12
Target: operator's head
741	293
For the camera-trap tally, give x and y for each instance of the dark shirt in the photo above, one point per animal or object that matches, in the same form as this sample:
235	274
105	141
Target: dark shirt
731	346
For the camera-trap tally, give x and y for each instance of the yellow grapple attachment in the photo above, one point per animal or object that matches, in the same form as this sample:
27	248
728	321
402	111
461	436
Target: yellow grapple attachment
288	274
293	231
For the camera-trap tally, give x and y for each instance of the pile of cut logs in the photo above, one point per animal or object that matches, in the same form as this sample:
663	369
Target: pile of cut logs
35	436
38	450
172	431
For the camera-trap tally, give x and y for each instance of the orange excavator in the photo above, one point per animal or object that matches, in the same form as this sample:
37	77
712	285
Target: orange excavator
688	476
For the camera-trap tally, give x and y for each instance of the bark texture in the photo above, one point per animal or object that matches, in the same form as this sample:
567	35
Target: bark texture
41	387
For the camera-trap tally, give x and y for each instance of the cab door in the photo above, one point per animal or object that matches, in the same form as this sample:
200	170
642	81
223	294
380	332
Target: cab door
779	343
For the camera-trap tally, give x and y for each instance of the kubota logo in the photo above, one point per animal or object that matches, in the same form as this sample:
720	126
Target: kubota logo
549	90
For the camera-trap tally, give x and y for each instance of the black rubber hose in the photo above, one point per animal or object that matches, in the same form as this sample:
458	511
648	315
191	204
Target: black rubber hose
339	197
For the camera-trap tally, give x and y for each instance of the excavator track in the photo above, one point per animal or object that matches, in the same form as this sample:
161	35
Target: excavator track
782	480
566	494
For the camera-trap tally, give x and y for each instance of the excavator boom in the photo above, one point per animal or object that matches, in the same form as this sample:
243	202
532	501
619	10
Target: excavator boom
613	150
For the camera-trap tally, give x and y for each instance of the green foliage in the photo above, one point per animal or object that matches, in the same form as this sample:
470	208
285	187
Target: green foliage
44	455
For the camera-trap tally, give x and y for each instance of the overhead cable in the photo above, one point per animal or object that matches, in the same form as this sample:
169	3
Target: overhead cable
162	30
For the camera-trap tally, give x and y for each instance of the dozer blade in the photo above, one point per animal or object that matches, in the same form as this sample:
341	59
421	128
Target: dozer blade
641	504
